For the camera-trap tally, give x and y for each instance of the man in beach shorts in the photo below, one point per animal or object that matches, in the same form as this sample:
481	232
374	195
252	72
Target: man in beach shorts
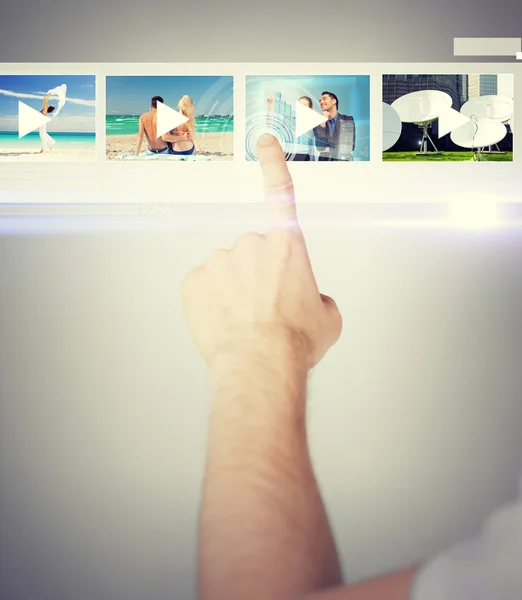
148	128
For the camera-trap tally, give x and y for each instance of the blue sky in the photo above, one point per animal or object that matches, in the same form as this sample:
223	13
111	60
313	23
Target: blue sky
78	113
353	91
131	95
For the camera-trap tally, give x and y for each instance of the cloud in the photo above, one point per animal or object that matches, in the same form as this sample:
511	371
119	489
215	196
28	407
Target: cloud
40	97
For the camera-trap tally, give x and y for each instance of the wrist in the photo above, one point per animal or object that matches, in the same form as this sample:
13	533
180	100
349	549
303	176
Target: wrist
267	362
275	346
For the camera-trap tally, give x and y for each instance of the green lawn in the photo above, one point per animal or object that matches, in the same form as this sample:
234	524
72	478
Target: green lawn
445	157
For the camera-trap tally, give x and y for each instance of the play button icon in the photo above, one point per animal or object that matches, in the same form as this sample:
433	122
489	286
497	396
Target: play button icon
168	119
306	119
29	119
449	120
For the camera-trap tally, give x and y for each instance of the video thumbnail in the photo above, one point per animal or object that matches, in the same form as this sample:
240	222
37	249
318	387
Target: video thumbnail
170	118
314	117
453	118
47	118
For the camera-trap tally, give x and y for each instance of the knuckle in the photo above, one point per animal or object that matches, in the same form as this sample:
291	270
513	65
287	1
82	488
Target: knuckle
286	244
218	258
248	240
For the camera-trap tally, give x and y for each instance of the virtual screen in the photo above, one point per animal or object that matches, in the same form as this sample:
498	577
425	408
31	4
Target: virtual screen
109	135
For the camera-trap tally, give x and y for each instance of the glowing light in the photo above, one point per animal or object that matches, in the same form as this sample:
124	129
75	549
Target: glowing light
474	211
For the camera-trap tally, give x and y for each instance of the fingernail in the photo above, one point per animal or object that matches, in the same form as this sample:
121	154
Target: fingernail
266	139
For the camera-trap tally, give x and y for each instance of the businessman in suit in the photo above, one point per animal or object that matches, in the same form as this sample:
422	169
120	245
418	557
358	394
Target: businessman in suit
328	135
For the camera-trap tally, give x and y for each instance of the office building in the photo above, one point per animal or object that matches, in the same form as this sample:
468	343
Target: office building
482	85
456	86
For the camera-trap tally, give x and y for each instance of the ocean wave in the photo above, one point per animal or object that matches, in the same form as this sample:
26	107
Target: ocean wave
128	124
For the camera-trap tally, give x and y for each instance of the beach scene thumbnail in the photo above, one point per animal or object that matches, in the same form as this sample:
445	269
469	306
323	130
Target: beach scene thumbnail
448	117
314	117
47	118
195	114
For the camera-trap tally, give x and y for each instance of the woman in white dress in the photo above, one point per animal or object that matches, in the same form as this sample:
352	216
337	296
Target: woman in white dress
46	139
51	111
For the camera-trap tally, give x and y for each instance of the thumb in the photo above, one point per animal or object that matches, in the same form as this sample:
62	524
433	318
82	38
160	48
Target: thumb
334	320
329	301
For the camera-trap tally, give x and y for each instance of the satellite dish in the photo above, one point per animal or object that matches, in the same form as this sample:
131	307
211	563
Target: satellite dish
422	108
391	126
499	108
478	133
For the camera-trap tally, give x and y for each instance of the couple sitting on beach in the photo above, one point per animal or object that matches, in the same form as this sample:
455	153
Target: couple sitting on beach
179	141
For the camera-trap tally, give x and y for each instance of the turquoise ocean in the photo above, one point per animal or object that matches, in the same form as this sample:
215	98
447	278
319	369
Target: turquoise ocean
128	124
11	137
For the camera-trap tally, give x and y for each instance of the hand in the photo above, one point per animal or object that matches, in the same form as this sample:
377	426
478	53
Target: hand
270	101
261	296
326	116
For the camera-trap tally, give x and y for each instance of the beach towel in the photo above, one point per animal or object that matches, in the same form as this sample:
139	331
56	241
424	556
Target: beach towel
154	156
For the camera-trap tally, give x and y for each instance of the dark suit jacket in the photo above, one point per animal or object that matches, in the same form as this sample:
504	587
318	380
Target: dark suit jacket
325	138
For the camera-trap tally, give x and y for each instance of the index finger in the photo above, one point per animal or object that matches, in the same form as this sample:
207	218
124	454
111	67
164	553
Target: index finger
279	187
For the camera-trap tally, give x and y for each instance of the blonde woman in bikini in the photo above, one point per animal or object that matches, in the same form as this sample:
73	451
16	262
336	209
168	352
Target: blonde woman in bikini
182	138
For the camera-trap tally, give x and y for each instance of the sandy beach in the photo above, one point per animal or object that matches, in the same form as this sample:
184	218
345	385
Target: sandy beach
61	152
219	146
